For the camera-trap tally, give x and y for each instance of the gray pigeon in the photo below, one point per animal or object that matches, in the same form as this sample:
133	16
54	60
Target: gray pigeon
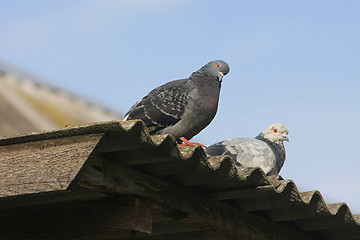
266	151
182	107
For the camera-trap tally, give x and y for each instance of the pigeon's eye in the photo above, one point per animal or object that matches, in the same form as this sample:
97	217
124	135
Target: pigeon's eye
218	65
275	130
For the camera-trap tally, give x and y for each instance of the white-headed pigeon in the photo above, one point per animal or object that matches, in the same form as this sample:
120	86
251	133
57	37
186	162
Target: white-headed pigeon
266	151
182	107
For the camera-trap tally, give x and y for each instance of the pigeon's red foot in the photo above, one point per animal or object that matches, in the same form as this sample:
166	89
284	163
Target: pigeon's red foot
187	143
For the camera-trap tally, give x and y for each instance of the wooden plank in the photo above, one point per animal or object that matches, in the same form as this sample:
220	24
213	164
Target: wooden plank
93	128
171	227
190	208
244	193
194	235
55	197
42	166
344	233
113	218
270	200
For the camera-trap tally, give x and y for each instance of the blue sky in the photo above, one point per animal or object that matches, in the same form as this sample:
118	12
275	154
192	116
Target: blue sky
295	62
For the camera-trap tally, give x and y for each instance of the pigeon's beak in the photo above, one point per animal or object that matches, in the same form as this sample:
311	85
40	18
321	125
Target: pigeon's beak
286	138
220	76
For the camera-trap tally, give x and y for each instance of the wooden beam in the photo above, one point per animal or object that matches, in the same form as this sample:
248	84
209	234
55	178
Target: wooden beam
180	204
195	235
56	197
45	165
114	218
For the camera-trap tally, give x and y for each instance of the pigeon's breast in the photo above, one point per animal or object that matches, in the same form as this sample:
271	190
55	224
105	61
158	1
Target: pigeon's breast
199	112
209	94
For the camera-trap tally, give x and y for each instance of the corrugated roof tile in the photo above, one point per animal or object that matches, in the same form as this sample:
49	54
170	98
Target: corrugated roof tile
249	189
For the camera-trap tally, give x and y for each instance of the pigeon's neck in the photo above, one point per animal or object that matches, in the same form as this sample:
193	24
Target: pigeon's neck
201	78
208	88
278	149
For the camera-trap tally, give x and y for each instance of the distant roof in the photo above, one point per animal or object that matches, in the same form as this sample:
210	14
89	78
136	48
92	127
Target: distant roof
192	197
29	104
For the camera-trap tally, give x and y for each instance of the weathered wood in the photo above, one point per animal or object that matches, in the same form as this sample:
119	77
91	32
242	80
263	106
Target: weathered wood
339	234
244	193
113	218
42	166
171	227
190	208
93	128
46	198
195	235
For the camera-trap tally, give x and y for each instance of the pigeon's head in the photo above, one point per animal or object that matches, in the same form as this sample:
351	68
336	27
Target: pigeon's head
217	69
276	132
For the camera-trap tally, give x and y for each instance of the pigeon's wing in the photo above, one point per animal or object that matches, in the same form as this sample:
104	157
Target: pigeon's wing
253	153
219	149
228	147
163	106
246	152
